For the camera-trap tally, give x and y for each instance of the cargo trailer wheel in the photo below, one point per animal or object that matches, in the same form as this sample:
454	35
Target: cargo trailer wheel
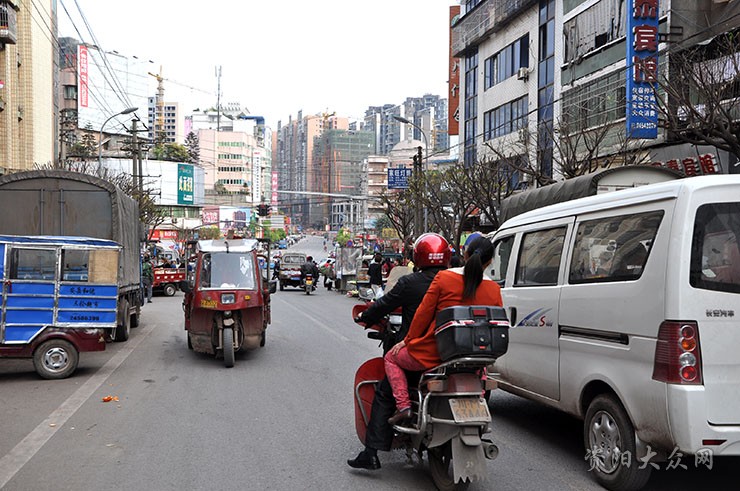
55	359
123	327
169	289
608	434
228	347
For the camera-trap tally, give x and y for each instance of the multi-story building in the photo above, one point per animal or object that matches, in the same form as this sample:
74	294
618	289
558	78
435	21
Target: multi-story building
27	78
299	168
172	128
540	77
428	112
236	163
94	88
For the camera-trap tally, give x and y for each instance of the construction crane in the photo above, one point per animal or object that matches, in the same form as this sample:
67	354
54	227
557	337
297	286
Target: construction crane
160	136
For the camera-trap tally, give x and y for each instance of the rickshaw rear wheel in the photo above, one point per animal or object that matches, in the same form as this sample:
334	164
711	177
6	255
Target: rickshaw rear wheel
55	359
190	341
169	289
228	347
263	338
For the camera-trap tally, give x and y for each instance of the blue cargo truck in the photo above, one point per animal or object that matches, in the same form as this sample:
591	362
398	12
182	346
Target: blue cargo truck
65	203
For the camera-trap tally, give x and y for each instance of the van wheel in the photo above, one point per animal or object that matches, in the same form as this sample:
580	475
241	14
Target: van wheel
608	435
55	359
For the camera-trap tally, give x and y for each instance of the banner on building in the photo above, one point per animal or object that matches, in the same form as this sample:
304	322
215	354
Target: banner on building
82	76
185	184
642	68
453	97
398	178
274	196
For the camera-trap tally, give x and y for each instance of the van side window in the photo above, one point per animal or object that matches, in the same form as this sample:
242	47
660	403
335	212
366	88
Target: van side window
715	253
501	254
613	248
539	258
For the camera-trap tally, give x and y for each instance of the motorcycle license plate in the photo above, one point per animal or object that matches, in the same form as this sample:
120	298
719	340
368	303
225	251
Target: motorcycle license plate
470	410
309	282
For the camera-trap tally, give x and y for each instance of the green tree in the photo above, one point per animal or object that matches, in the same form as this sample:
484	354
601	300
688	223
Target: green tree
173	152
193	146
343	237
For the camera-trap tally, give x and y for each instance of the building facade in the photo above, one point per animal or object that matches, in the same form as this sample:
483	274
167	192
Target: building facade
545	82
27	81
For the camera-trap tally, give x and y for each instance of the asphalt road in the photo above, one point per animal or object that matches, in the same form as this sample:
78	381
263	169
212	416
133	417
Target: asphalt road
281	419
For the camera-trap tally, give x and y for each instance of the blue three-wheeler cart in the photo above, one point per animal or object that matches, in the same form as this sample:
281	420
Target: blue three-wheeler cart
59	296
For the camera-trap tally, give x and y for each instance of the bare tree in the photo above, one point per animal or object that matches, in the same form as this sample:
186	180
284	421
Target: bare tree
702	94
446	205
399	208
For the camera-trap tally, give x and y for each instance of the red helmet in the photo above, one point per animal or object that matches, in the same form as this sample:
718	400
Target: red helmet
431	250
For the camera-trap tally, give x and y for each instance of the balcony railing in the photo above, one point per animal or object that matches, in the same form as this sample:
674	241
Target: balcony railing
486	18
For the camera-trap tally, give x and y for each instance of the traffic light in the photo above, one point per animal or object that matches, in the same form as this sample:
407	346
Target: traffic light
263	210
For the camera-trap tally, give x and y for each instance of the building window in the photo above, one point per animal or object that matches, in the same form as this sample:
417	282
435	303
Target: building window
545	86
471	108
506	63
506	118
70	92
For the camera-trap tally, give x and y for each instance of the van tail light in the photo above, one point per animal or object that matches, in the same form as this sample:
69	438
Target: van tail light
678	354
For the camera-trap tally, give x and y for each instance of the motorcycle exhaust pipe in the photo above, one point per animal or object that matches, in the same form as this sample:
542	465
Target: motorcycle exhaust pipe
490	451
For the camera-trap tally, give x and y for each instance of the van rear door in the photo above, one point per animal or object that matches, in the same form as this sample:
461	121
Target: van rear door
713	300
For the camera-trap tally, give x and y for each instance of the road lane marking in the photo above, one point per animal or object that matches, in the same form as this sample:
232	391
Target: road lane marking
318	322
12	462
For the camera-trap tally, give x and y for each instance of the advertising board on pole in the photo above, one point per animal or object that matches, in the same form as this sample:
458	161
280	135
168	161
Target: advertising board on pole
642	69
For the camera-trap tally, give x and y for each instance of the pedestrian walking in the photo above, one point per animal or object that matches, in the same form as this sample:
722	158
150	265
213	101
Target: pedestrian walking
148	277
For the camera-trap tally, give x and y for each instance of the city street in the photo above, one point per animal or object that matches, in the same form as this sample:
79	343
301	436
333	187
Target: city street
281	419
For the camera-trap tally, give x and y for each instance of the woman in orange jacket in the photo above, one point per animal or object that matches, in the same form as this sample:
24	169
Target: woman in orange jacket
468	285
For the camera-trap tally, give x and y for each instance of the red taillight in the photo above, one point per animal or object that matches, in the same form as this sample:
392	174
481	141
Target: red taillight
678	353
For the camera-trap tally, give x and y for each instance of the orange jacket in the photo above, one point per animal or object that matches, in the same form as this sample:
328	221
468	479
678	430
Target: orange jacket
445	291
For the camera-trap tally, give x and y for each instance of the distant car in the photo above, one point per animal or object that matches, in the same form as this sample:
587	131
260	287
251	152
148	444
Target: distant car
283	244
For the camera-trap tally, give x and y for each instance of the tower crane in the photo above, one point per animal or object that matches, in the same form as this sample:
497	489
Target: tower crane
160	136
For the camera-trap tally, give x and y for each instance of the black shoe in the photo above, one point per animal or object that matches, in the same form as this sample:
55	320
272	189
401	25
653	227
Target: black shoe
365	461
148	301
400	416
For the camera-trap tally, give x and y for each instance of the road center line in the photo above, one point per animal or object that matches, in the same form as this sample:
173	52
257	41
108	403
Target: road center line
13	461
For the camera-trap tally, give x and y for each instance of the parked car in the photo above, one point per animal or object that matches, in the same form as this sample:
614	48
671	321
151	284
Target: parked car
623	309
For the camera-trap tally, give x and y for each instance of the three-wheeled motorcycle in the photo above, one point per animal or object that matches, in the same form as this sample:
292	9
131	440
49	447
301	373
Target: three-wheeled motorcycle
58	297
227	298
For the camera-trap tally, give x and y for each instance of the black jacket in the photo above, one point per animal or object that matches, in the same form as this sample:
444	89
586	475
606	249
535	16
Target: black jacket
407	293
375	272
310	268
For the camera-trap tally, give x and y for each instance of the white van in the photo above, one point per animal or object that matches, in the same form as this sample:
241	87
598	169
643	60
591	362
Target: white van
625	310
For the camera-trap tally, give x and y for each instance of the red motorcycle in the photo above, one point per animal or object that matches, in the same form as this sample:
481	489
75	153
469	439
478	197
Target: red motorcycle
451	421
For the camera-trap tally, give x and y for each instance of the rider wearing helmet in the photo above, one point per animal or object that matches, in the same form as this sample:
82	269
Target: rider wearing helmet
309	267
431	255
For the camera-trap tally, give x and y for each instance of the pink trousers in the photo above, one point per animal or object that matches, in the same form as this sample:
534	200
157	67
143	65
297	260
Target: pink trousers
394	370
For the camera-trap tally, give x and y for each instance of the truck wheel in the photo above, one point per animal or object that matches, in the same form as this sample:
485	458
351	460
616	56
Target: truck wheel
55	359
169	289
123	329
228	347
263	338
608	434
282	286
190	342
135	319
440	467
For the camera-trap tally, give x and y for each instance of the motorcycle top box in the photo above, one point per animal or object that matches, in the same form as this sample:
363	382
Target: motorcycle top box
472	330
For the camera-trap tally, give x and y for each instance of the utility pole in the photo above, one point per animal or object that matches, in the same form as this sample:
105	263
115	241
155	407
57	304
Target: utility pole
419	179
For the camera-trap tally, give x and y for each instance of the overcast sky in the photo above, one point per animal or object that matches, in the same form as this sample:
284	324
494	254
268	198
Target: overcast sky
278	56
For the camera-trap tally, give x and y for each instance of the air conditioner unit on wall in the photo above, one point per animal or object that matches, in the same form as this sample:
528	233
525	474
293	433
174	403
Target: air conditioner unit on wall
522	73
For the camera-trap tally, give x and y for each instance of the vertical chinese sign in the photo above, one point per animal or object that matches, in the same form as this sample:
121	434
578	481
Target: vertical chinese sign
82	75
642	68
185	184
453	121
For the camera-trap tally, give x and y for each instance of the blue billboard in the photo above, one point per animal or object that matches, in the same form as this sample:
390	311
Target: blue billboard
642	68
398	178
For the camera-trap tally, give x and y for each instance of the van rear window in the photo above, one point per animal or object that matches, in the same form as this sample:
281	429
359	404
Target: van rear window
613	248
715	254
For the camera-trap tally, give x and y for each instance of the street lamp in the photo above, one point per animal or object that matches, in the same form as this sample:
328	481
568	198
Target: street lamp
403	120
128	110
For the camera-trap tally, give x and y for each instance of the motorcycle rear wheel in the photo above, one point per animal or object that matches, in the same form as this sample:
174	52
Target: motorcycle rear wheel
228	347
440	467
